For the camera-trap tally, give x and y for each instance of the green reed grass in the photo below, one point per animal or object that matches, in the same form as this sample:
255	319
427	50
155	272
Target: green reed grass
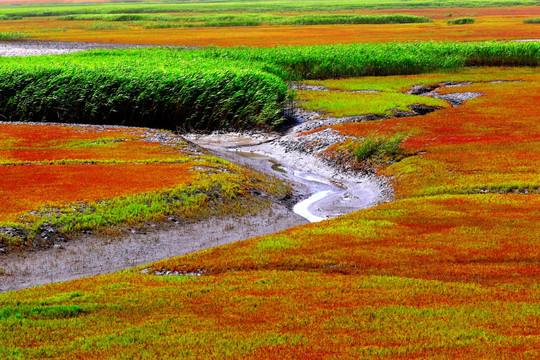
8	36
145	87
215	88
532	21
337	61
461	21
221	20
378	149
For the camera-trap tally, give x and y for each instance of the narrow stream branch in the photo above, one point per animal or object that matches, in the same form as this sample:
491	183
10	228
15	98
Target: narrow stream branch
322	192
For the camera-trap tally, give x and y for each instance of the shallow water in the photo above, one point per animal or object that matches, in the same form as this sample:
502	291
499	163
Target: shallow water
321	195
302	208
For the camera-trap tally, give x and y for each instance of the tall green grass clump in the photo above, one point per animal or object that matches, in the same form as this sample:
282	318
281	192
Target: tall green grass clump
9	36
375	150
532	21
41	312
9	17
494	53
221	20
162	88
320	19
461	21
335	61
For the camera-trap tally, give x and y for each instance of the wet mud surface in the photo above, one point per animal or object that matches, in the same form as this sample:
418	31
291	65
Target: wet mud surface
321	191
31	48
91	255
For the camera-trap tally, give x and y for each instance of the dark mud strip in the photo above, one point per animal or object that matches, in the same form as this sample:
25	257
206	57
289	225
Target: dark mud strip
455	99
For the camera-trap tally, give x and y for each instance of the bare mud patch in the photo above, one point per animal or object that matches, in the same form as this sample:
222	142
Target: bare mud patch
454	99
303	86
36	48
90	255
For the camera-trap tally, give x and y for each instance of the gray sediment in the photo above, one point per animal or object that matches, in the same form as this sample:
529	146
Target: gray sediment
90	255
36	48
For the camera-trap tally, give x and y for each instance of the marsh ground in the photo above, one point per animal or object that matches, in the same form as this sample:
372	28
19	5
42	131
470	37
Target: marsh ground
449	269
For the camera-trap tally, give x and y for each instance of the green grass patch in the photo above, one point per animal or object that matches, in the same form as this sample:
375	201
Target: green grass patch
215	88
253	6
145	87
221	20
532	21
378	149
223	189
340	61
40	312
10	17
8	36
404	83
278	242
461	21
104	26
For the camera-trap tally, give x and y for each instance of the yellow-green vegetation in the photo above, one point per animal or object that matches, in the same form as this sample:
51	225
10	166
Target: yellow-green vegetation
488	144
150	21
378	150
449	270
340	104
253	6
7	36
416	278
403	83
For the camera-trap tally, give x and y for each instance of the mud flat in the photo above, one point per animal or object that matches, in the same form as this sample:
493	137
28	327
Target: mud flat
91	255
31	48
321	190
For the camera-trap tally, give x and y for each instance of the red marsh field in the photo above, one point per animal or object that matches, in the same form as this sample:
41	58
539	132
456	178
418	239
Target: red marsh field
384	98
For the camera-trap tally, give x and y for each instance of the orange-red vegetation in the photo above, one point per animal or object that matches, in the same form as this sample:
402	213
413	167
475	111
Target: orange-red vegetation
24	135
30	187
484	239
111	151
438	273
54	165
442	277
38	144
490	143
489	27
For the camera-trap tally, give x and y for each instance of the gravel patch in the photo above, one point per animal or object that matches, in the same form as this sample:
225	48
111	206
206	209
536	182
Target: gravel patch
457	99
313	143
